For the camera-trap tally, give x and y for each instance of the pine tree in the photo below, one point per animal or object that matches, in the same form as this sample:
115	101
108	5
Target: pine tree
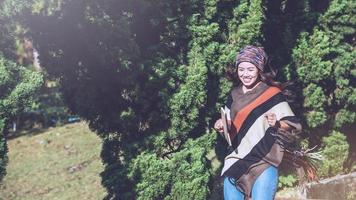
324	60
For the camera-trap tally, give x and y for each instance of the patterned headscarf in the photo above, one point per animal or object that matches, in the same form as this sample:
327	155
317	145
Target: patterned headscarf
252	54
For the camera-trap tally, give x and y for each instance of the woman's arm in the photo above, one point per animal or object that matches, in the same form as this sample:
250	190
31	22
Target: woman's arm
286	124
288	127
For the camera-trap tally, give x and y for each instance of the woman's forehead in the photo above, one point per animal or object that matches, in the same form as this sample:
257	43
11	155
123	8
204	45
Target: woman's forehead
246	65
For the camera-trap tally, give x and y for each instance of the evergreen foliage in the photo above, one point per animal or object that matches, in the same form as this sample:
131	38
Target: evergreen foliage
148	76
324	60
184	175
335	149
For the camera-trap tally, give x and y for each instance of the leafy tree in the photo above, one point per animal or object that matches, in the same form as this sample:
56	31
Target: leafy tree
17	86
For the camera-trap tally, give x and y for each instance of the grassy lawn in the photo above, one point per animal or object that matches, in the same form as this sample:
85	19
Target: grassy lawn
60	163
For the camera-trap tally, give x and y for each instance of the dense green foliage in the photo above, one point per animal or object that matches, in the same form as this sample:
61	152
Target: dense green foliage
148	76
335	149
325	59
287	181
47	110
17	87
3	151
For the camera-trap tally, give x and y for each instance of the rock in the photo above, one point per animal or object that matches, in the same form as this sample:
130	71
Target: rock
340	187
44	142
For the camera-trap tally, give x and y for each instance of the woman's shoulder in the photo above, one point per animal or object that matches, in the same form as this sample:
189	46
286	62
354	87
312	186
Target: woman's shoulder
272	88
236	91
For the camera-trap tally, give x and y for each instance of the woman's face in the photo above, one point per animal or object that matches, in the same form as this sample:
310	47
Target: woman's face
248	74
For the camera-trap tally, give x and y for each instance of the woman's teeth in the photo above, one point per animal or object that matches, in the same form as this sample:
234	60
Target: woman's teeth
247	79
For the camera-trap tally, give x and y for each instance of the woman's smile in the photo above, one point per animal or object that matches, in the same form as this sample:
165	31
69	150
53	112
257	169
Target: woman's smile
247	80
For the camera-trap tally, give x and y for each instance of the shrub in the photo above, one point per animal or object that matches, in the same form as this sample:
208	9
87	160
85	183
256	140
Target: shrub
287	181
335	151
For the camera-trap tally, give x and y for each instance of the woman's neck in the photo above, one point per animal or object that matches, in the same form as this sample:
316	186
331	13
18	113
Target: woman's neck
246	89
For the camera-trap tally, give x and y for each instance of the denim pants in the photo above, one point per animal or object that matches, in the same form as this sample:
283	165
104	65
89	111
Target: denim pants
264	188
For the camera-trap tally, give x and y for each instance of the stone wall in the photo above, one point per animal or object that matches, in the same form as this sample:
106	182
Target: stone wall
341	187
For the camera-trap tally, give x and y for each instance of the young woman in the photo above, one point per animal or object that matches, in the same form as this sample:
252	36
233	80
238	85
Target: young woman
261	124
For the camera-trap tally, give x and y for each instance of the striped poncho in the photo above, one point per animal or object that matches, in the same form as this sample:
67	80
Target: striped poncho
256	144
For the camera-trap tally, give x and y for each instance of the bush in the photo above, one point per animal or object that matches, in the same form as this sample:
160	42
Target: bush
287	181
335	151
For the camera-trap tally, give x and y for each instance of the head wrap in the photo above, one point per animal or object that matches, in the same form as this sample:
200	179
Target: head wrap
252	54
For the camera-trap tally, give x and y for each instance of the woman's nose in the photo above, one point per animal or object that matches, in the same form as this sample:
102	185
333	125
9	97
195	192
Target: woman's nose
245	74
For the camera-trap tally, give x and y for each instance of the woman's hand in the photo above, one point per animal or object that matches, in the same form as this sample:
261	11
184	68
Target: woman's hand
219	126
271	119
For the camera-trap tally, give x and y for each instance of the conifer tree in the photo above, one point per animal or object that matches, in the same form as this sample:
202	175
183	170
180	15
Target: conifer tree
148	76
324	61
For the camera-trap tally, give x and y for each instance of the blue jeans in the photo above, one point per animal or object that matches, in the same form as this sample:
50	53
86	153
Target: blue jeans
264	188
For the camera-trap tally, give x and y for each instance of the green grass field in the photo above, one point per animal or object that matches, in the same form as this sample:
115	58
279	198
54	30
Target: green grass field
57	164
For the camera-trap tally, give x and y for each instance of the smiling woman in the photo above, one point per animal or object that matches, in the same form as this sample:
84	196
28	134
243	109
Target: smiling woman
261	125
